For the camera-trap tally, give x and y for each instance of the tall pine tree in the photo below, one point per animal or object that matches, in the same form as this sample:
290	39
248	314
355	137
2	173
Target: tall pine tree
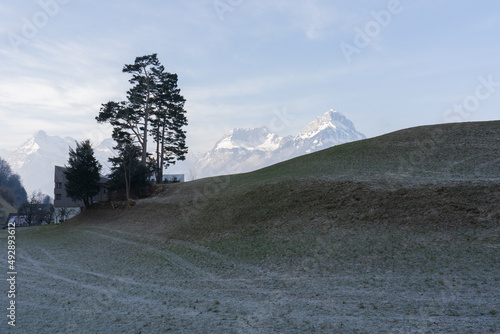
169	118
82	173
154	100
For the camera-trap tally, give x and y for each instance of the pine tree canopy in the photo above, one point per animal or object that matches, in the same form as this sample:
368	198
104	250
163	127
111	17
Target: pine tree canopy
154	109
82	173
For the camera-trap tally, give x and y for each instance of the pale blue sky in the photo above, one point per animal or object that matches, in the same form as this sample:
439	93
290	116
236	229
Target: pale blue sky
241	62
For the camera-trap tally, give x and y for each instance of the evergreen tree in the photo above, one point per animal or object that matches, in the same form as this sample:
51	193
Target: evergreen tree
167	121
82	173
130	118
154	100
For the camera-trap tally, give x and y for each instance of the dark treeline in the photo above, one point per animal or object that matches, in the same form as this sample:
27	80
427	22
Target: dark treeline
11	188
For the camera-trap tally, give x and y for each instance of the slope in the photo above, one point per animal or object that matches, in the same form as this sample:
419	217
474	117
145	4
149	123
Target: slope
418	170
446	176
345	240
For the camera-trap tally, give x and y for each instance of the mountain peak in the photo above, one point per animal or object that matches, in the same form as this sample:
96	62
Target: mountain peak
40	134
35	159
333	115
332	120
242	150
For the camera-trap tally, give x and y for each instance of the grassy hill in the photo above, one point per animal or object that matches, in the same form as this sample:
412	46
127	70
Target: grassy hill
444	175
397	233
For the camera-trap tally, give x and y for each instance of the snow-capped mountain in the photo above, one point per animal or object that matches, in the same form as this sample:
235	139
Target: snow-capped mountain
331	129
34	160
257	139
243	150
239	151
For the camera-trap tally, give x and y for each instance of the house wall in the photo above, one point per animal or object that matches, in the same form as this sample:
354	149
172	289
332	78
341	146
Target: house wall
61	198
71	212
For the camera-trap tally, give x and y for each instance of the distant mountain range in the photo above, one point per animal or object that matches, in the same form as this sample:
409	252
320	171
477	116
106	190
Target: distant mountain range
240	150
244	150
35	159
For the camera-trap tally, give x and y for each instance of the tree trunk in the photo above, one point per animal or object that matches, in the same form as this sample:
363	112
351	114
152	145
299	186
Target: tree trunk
158	156
146	119
127	183
162	149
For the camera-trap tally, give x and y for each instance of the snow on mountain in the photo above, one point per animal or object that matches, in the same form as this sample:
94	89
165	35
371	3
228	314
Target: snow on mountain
35	159
333	128
258	139
244	150
239	151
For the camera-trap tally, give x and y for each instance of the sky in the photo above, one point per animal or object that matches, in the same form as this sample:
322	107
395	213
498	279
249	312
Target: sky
386	65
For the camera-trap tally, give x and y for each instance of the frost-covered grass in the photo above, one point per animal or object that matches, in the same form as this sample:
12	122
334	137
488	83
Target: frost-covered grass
348	279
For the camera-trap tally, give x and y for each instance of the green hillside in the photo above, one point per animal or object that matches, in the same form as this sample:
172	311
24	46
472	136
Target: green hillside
405	177
408	176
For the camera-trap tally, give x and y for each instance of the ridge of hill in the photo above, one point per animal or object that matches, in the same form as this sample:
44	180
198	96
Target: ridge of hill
466	151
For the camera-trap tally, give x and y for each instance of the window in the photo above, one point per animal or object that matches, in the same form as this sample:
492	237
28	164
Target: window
58	185
58	197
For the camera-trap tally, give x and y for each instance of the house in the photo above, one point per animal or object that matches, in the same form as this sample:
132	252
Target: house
65	206
17	220
173	178
170	178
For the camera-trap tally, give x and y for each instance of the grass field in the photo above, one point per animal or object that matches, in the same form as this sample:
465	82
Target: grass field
395	234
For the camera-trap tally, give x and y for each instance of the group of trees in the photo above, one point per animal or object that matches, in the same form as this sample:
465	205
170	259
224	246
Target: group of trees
35	208
153	110
11	188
